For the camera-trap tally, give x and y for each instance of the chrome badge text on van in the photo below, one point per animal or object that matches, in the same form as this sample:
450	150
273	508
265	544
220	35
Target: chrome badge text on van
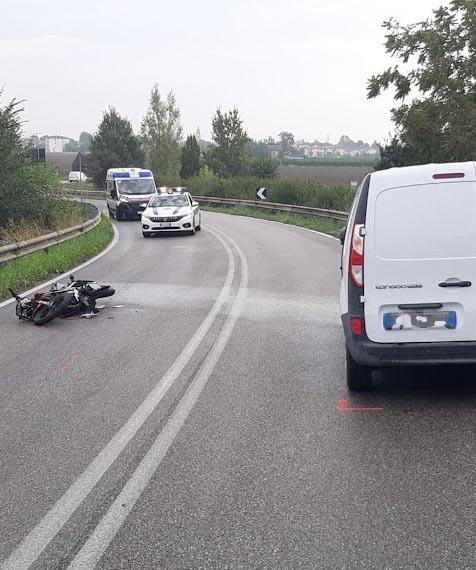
400	286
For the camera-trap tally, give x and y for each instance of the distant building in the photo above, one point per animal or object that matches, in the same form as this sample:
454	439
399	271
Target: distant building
62	162
274	150
80	163
56	143
65	162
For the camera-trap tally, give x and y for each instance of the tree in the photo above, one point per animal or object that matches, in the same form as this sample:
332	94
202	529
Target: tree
264	167
190	158
27	190
395	154
258	148
114	145
228	155
85	140
162	135
439	125
287	142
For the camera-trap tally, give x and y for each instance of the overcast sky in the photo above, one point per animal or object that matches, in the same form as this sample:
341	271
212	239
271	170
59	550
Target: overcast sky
297	65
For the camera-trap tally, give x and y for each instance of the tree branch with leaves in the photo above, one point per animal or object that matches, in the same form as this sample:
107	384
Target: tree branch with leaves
437	64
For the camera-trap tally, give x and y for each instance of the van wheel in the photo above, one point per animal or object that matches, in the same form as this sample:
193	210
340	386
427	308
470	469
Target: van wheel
359	376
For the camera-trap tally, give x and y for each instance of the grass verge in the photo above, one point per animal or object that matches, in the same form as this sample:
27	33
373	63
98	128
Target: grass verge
324	225
25	272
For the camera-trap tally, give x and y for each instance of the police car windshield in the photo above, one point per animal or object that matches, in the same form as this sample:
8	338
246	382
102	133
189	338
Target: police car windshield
136	186
167	201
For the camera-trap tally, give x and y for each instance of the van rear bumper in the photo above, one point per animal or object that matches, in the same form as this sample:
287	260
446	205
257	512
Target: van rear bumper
369	353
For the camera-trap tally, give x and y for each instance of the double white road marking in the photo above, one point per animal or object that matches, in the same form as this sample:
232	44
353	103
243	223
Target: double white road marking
44	532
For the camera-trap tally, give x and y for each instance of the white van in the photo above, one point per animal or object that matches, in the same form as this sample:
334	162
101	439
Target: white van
77	176
408	289
128	191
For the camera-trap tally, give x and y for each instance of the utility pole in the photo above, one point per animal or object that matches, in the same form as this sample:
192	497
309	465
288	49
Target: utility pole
80	177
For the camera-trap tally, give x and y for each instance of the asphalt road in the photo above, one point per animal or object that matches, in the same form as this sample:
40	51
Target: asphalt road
201	421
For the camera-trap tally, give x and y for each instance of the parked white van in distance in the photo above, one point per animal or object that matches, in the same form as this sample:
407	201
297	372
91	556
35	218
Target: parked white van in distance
128	191
77	176
409	270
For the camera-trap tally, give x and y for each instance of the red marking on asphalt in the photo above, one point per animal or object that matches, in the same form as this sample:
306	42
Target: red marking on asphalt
71	361
343	406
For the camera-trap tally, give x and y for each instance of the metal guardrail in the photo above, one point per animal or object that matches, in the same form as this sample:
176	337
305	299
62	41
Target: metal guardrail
276	207
273	206
91	194
16	250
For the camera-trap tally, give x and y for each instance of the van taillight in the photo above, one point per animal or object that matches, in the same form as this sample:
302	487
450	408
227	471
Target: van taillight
356	326
356	258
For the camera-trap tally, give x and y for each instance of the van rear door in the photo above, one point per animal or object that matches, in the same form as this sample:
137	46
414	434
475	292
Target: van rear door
420	262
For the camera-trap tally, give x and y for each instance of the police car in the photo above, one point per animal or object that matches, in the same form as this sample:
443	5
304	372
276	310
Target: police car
171	212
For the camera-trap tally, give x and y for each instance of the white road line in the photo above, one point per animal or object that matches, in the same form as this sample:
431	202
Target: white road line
98	542
43	533
77	268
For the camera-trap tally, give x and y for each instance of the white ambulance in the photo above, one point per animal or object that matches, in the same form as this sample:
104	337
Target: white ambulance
408	289
128	191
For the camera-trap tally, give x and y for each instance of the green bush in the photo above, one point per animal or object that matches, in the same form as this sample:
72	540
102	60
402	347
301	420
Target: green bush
281	190
264	167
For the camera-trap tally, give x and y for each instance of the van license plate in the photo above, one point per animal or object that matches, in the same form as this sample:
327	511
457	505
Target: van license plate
165	225
419	320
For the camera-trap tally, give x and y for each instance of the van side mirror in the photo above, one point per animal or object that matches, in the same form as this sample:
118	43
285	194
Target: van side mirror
194	203
342	235
114	194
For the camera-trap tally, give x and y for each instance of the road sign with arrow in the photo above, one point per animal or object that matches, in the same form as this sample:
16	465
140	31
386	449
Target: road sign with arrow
261	193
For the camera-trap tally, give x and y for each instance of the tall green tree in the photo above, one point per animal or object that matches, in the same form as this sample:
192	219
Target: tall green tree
113	145
287	142
162	134
438	64
190	158
229	153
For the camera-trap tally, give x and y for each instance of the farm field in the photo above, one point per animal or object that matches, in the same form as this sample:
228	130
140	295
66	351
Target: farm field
330	175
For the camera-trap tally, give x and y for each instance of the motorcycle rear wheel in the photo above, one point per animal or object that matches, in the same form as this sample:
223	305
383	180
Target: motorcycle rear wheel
54	308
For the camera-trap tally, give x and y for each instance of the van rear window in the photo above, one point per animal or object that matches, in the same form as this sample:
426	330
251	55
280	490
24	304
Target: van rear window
434	221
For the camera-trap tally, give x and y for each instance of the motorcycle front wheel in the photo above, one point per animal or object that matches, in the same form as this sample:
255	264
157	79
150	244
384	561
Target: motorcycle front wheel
58	305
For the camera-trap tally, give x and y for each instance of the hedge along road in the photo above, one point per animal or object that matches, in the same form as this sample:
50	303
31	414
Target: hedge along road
203	421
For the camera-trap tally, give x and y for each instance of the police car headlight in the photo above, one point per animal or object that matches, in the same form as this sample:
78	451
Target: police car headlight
186	218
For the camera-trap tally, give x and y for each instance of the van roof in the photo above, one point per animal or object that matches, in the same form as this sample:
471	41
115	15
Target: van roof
422	174
128	173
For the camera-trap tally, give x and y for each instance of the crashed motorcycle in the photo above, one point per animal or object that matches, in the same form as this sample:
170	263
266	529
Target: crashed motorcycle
61	301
